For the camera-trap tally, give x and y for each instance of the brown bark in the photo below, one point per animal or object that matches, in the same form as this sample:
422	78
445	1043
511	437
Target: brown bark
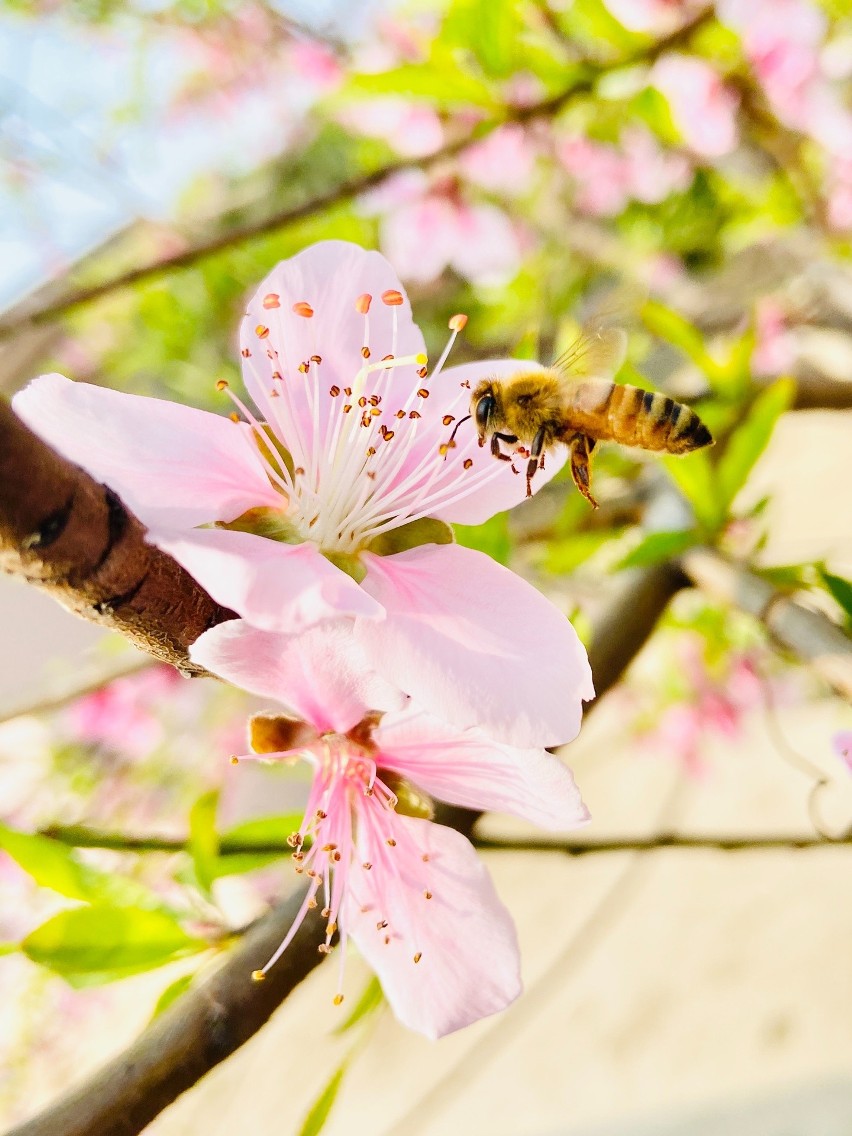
190	1038
71	536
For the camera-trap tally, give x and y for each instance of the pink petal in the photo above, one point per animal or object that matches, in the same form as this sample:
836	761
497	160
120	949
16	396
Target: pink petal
507	489
842	743
467	768
330	277
173	465
469	965
476	645
321	675
274	586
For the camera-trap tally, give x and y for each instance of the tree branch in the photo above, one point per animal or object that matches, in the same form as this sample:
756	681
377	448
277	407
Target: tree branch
680	841
25	315
72	537
810	636
191	1037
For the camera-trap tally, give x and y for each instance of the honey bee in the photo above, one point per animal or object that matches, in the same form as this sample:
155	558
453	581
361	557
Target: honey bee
575	402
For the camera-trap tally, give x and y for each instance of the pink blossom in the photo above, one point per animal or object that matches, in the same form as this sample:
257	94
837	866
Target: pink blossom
703	108
336	369
122	715
413	129
658	16
842	743
411	894
783	41
774	350
504	162
607	177
316	63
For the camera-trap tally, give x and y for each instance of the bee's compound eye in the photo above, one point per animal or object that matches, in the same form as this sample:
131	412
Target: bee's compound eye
484	410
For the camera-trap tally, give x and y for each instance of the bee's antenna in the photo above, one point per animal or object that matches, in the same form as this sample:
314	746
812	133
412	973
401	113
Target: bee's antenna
451	442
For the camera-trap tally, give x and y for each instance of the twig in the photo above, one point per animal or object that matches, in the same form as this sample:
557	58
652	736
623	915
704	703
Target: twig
71	536
64	688
23	316
812	637
680	841
191	1037
82	836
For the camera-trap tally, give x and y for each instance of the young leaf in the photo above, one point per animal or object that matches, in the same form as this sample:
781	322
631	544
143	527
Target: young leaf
88	946
693	475
840	589
492	537
54	865
751	438
203	839
320	1109
171	993
659	546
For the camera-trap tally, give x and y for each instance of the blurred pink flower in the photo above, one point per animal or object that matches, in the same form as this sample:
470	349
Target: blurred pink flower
336	368
428	225
774	350
783	40
315	63
703	108
840	195
413	129
713	706
608	177
504	162
842	744
410	893
122	716
658	16
438	232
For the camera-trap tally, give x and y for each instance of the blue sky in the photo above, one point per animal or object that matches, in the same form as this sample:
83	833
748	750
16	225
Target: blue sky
70	113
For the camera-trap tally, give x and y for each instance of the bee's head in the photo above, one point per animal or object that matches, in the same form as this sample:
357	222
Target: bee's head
484	408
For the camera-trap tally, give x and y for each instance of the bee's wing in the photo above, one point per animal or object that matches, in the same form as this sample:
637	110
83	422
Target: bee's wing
595	353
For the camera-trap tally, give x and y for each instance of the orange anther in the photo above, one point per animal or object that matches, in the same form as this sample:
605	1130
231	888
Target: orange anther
362	304
222	385
303	308
271	300
261	332
392	298
457	322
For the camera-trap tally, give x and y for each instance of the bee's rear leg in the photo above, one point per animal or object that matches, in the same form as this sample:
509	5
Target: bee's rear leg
580	448
536	458
496	439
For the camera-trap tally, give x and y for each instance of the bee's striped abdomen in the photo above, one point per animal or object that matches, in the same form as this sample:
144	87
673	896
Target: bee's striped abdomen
653	421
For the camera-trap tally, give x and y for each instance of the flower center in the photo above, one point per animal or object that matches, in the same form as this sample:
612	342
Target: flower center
353	462
348	845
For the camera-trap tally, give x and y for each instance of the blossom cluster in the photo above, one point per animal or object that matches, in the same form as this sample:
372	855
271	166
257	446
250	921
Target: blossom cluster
401	665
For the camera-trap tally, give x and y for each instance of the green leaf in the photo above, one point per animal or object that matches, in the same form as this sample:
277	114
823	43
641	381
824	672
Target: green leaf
442	83
693	475
751	438
203	839
322	1106
565	555
88	946
267	834
492	537
371	1000
669	325
171	993
491	32
840	589
54	865
51	864
659	546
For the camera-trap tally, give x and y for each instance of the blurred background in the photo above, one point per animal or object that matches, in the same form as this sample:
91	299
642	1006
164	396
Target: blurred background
681	168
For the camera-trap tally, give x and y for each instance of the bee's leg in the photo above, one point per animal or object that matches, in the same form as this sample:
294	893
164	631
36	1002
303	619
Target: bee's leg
536	455
496	439
580	448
